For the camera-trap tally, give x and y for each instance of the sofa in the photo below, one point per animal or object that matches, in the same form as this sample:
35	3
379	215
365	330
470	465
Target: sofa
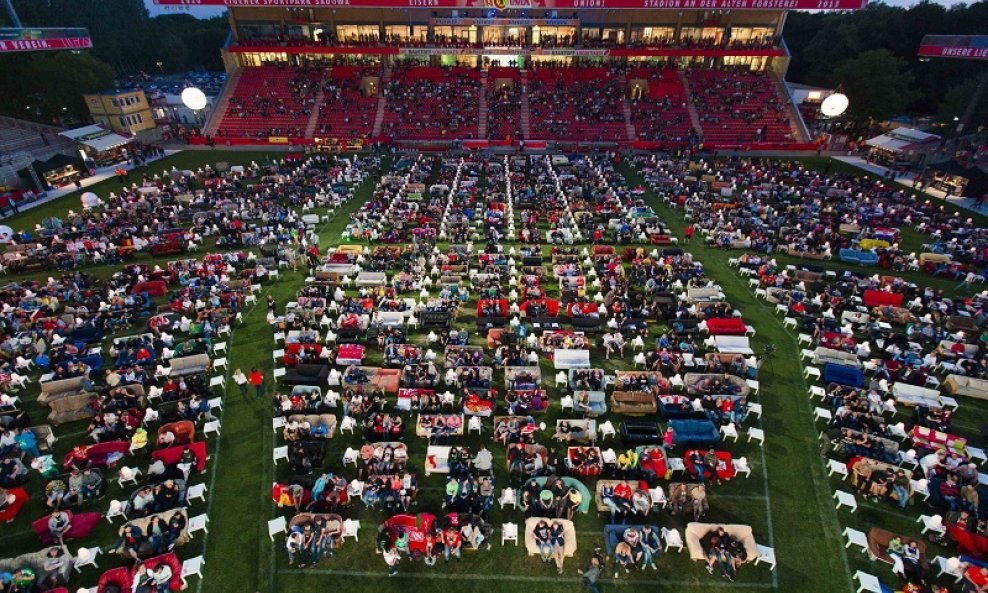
52	390
830	356
172	455
582	430
857	256
725	470
371	279
80	526
862	467
571	482
696	531
633	403
640	432
119	577
881	298
314	420
878	546
188	365
101	455
694	432
143	522
35	561
843	375
302	518
72	408
596	400
306	374
946	350
685	494
967	386
569	535
175	584
564	359
599	500
962	323
933	258
692	380
184	431
154	288
734	326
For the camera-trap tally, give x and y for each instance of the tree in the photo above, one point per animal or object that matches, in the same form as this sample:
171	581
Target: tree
877	83
956	101
48	87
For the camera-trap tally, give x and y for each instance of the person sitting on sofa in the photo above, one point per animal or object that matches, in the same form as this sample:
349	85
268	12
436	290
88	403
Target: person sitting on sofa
52	567
130	541
717	546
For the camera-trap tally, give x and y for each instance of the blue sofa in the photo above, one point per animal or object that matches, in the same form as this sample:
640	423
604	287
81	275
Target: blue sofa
843	375
613	534
857	256
694	432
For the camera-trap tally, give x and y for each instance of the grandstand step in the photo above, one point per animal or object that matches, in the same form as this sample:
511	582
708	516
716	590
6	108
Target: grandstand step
629	127
216	115
382	104
310	128
526	109
694	116
484	114
799	132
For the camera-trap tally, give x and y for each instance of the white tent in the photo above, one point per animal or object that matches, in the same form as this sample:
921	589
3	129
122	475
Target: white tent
96	137
901	139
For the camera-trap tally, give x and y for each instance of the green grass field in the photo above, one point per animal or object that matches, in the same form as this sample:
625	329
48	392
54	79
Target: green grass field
787	499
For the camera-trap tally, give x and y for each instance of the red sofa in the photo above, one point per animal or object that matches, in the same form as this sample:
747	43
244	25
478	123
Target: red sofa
489	302
881	298
155	288
20	497
99	454
292	351
80	526
175	584
118	577
968	542
726	327
171	455
551	306
725	471
587	308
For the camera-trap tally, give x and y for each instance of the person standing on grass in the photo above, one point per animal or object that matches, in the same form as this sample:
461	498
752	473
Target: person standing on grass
256	379
241	380
591	575
689	233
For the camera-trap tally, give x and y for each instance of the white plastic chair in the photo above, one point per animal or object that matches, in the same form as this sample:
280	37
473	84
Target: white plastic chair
192	566
509	532
672	539
86	557
351	529
196	491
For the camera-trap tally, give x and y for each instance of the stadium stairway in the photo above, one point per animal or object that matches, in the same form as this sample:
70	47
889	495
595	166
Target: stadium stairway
526	110
310	128
626	108
694	116
216	115
484	115
799	132
382	103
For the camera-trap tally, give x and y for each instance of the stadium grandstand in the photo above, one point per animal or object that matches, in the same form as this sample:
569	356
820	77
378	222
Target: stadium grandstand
643	73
